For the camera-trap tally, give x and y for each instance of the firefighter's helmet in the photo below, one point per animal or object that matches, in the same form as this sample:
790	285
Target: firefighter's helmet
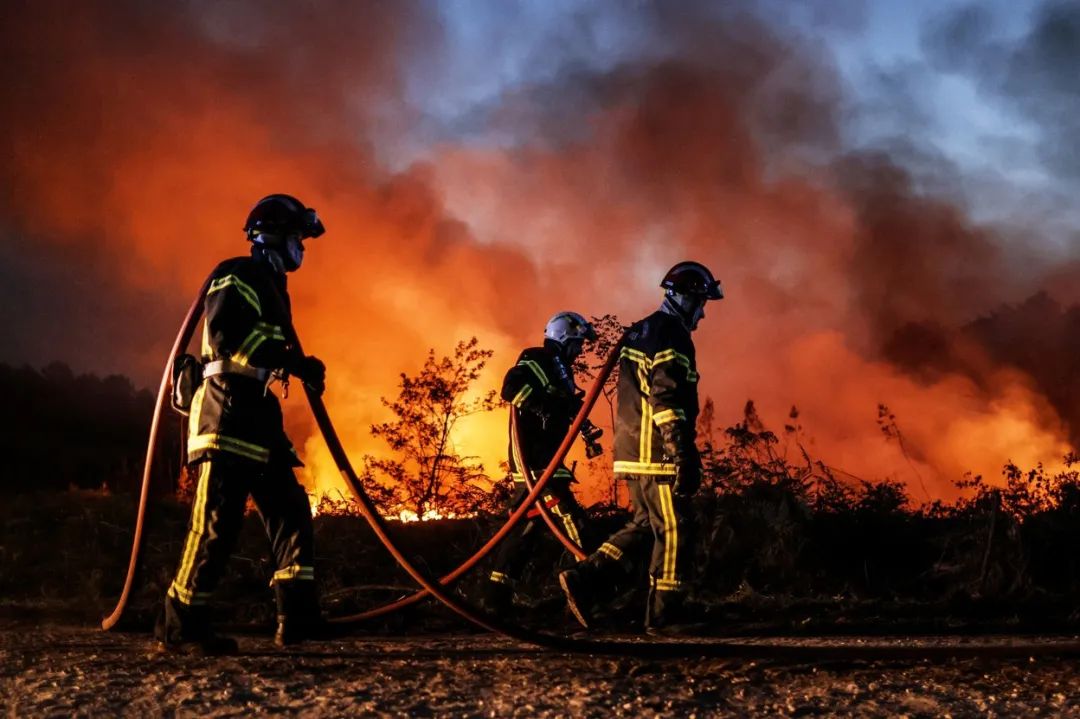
692	279
280	216
569	326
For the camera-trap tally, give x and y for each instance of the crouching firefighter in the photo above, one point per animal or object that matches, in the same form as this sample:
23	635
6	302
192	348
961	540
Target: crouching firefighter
236	440
655	453
541	386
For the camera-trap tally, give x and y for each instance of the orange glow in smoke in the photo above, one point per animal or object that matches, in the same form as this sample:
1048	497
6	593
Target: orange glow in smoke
174	147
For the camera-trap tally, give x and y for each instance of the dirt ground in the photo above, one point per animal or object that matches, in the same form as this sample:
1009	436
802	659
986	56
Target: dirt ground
79	671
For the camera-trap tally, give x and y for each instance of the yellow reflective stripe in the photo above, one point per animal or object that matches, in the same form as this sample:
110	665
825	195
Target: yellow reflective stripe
645	438
206	349
668	415
692	376
671	532
652	468
669	355
242	287
610	550
642	363
568	522
521	396
668	585
293	571
536	370
273	332
198	526
499	578
187	596
248	347
259	334
229	444
519	477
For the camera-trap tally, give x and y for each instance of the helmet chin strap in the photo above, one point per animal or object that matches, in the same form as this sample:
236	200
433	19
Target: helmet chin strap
688	310
270	256
287	258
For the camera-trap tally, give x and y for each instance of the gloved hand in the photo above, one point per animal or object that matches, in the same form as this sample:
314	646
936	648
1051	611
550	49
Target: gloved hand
680	449
311	372
687	478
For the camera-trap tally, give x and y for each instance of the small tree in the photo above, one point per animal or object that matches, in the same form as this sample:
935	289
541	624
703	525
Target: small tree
429	474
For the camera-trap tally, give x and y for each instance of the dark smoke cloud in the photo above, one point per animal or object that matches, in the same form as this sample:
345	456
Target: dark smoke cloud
145	130
130	128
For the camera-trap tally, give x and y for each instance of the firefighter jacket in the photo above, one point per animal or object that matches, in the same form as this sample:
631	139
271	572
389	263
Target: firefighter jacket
655	423
246	314
543	390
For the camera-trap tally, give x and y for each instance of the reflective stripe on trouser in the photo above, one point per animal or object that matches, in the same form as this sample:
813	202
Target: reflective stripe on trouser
515	551
217	515
661	514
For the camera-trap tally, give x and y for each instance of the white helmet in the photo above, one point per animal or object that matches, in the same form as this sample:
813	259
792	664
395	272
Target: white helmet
568	326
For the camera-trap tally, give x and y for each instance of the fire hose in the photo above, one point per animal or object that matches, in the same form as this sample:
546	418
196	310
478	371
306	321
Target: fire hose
435	587
378	525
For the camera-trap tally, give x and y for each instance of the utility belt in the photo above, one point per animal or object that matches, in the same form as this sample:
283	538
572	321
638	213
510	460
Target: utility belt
225	366
188	374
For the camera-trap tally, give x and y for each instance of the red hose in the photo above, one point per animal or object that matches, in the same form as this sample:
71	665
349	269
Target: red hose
515	516
183	337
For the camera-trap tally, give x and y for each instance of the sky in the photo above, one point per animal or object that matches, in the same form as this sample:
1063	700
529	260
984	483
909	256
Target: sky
885	188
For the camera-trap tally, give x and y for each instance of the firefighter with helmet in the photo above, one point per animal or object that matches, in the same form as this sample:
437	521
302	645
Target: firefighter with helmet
541	386
236	441
655	453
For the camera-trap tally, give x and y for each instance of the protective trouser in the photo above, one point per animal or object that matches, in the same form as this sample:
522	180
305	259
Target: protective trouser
663	516
514	551
217	513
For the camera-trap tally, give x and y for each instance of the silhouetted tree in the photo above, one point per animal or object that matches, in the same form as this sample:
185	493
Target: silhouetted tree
428	473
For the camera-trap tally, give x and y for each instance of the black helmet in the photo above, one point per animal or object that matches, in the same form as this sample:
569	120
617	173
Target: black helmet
282	215
694	279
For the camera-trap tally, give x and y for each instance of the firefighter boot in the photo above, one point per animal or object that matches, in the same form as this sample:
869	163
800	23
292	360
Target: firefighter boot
185	630
298	615
590	585
497	595
579	597
672	614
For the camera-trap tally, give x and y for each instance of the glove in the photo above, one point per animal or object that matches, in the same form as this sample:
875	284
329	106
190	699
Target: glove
687	478
311	372
680	449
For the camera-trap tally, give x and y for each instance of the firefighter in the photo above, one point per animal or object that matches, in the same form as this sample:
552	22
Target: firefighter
655	453
236	441
541	386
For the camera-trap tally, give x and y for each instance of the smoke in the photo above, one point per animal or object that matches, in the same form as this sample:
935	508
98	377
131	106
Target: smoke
138	134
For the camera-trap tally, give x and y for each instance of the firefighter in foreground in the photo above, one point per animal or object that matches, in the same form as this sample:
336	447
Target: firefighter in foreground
236	441
541	386
655	452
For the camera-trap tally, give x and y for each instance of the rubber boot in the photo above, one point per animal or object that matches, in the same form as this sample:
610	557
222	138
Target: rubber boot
580	598
186	630
298	615
496	598
672	614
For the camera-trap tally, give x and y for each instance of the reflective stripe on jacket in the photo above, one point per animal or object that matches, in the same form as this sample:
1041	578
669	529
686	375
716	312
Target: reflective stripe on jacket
244	322
544	393
657	384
